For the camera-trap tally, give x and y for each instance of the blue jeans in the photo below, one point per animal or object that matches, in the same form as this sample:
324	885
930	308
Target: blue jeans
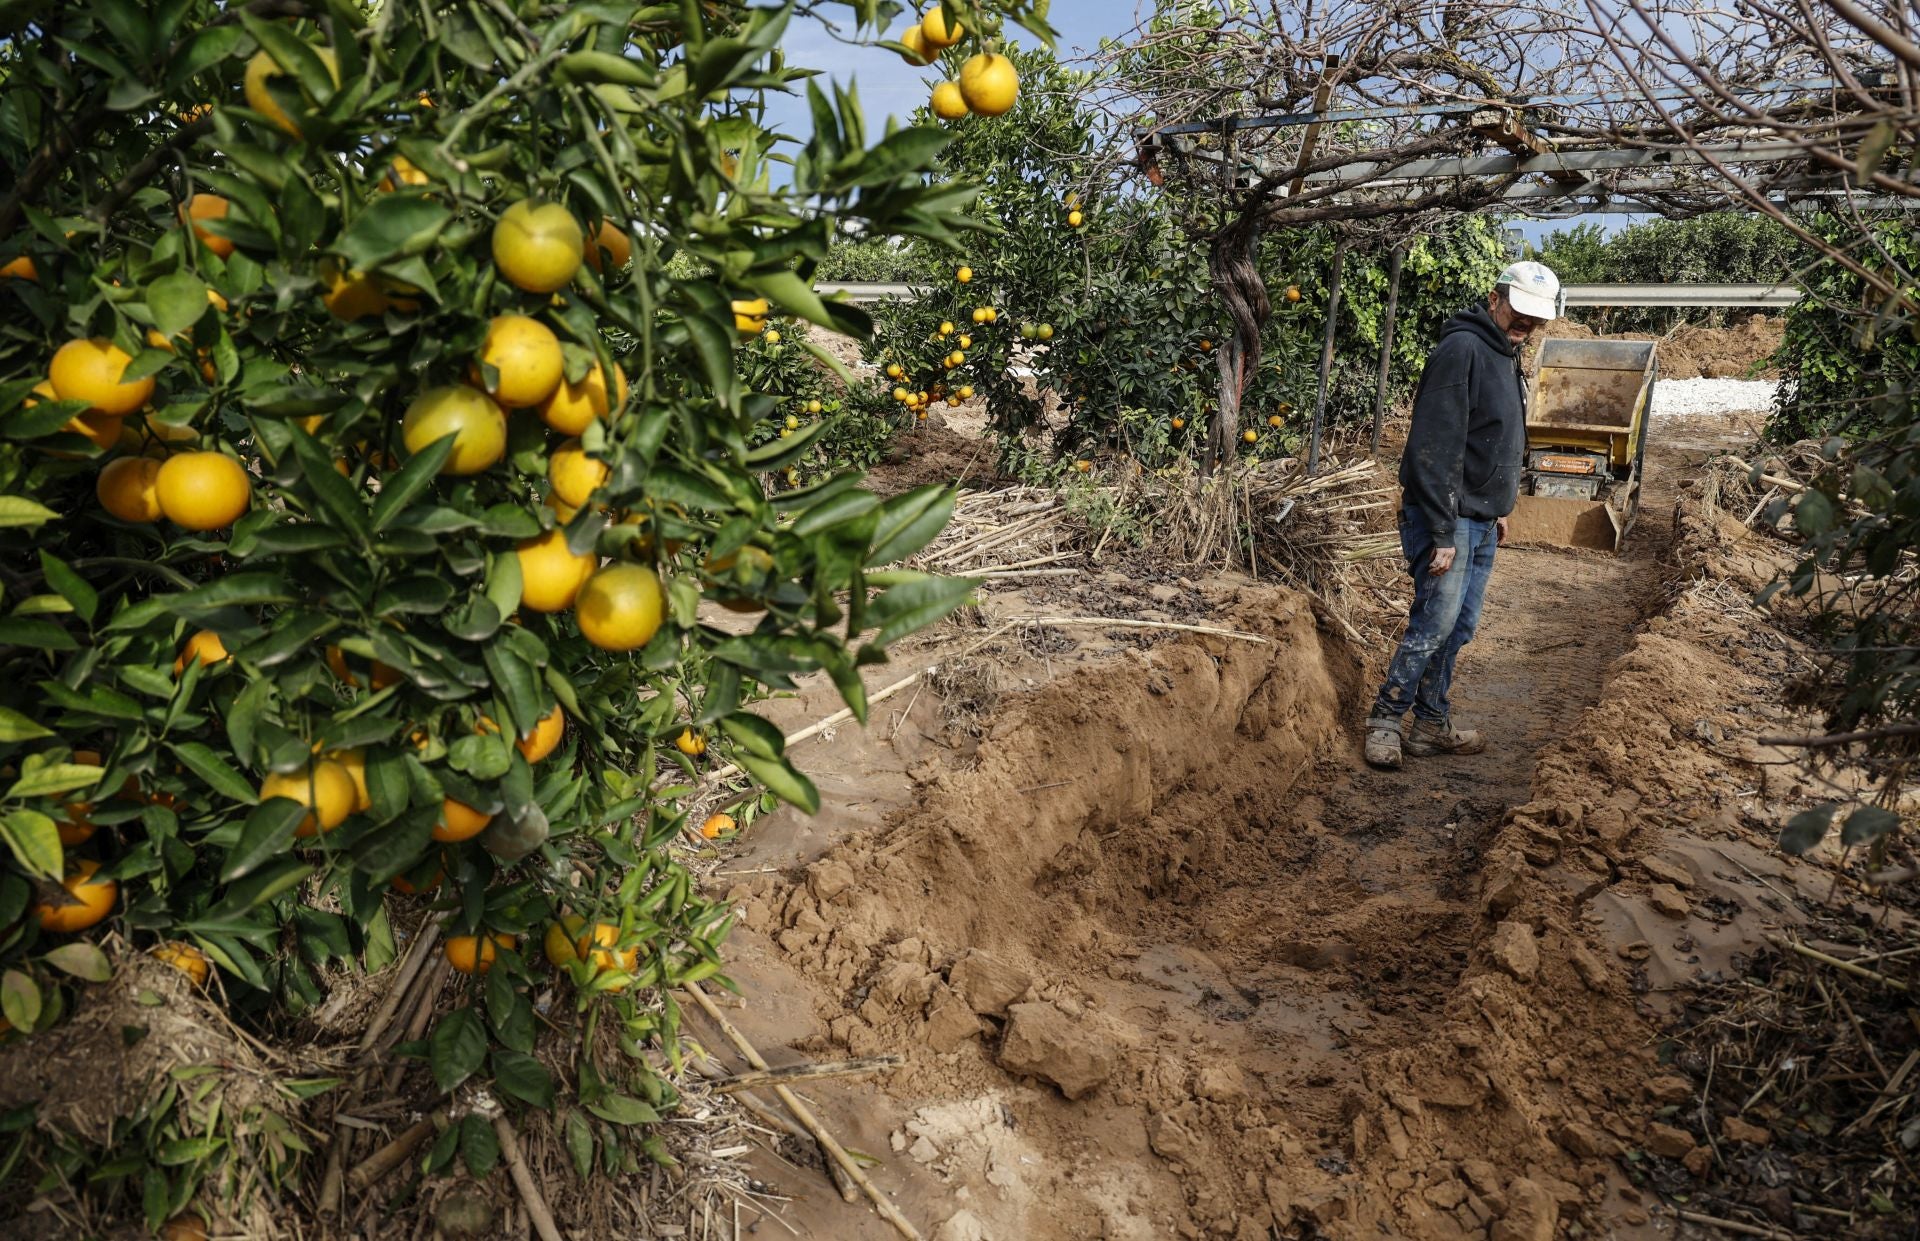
1445	611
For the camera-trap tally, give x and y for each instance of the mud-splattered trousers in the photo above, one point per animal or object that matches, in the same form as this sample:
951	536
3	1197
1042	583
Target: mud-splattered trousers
1445	611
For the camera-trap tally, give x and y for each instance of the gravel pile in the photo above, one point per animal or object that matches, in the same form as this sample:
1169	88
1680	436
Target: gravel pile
1680	398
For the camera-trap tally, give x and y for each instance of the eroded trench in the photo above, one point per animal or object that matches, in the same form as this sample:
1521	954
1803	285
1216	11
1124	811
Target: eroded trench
1162	962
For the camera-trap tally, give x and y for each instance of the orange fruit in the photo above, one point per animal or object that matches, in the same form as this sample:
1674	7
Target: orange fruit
354	763
934	30
914	40
1250	435
989	83
477	424
474	954
537	246
526	359
572	407
947	102
718	825
203	490
750	315
20	267
208	207
351	294
126	488
690	743
569	940
185	958
95	900
459	821
1293	293
382	675
545	737
620	607
574	475
550	574
402	884
406	172
618	247
205	647
185	1226
89	370
324	787
261	69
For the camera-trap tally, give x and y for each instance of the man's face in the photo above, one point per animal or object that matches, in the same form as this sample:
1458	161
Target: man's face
1517	326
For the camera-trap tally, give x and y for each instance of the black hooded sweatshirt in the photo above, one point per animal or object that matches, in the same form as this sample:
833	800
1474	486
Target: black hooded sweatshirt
1466	447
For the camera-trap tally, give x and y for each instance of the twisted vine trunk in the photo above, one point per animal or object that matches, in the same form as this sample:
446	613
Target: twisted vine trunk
1236	278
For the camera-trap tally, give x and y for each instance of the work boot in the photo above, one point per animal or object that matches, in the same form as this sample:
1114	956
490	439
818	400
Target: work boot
1425	739
1383	744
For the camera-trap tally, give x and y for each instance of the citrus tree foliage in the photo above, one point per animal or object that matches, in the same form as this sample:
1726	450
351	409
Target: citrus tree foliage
1110	275
1724	247
269	529
1853	363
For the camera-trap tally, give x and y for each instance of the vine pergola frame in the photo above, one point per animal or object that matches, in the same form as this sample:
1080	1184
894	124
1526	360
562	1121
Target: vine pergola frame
1514	172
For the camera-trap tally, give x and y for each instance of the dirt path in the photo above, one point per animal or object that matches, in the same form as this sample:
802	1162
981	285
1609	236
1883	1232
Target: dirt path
1165	885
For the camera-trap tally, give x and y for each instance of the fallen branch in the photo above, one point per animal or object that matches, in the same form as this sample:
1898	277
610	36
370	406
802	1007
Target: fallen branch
1114	622
530	1196
1848	967
1832	739
813	730
375	1166
806	1072
804	1114
1732	1225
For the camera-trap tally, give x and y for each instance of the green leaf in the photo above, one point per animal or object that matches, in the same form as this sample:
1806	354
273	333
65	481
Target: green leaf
35	841
914	603
266	835
72	587
20	511
619	1109
261	886
457	1047
601	67
782	780
516	683
579	1138
392	224
235	590
1806	829
909	522
17	727
177	302
397	490
759	736
52	779
521	1076
82	960
1867	824
211	768
19	1000
336	495
479	1148
1813	515
39	634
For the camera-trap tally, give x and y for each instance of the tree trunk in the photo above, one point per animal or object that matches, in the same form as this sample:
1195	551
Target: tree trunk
1236	277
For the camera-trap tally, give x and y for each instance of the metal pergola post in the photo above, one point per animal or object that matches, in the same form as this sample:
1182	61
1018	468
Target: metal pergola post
1386	343
1326	353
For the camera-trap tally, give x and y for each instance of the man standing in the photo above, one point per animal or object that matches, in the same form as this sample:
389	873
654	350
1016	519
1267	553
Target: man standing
1459	478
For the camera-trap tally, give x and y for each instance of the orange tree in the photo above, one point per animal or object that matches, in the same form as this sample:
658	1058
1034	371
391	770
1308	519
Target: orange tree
1097	288
368	481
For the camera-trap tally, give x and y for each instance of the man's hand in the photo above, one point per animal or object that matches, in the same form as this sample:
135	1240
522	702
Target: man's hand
1442	561
1500	531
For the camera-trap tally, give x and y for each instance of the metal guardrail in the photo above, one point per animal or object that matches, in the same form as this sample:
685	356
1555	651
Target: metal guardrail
1771	296
1766	296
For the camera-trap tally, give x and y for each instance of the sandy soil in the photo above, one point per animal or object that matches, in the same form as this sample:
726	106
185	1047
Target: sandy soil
1164	959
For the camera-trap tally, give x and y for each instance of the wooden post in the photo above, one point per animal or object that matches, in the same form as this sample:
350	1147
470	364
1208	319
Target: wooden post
1326	354
1386	343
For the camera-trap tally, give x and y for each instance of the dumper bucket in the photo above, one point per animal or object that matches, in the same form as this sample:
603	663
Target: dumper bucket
1548	521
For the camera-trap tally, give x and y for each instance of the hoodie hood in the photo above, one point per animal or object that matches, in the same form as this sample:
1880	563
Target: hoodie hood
1478	321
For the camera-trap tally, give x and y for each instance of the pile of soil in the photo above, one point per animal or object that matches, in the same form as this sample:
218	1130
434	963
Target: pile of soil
932	452
1742	351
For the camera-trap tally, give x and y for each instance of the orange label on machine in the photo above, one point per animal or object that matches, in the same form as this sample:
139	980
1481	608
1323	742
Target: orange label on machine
1566	465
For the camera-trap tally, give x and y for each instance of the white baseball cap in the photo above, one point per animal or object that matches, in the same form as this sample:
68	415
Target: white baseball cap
1533	290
